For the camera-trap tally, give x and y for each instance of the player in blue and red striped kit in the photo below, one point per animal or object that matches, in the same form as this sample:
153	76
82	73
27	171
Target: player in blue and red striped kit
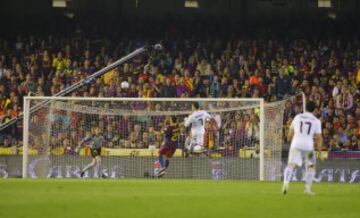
171	134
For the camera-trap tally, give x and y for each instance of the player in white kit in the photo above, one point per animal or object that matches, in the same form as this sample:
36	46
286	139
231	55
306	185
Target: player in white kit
197	121
304	130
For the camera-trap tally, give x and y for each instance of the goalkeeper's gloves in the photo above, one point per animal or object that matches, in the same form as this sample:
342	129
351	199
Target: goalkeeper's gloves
77	149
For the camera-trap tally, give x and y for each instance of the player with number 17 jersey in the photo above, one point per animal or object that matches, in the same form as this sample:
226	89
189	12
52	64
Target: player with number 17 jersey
305	125
305	130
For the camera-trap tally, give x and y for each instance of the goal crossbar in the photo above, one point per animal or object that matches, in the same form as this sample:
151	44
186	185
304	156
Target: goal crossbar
66	98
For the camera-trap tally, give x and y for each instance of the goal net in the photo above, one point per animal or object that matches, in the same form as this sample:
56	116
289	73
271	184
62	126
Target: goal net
247	145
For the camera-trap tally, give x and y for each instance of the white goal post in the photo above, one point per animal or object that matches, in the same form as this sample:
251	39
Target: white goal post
247	146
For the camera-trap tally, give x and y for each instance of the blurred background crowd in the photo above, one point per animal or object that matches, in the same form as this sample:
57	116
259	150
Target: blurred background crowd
195	62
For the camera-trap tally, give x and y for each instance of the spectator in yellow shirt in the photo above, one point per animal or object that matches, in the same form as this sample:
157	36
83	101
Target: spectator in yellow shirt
59	62
4	103
68	69
109	76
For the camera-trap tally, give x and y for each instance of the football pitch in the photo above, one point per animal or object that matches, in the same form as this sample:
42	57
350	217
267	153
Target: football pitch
173	198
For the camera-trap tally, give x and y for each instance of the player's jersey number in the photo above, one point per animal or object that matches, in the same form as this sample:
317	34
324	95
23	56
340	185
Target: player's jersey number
175	135
308	124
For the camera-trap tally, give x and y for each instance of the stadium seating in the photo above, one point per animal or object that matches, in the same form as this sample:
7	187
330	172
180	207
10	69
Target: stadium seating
328	72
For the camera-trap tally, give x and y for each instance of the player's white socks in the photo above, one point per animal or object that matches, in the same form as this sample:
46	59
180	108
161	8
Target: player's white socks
309	178
288	174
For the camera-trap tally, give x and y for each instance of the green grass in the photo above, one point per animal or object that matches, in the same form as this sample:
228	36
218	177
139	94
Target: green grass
173	198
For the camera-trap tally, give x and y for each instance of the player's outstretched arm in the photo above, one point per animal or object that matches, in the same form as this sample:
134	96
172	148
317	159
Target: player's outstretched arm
82	143
85	139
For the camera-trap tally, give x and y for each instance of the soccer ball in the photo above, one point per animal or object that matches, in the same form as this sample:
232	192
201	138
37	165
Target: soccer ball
124	85
198	149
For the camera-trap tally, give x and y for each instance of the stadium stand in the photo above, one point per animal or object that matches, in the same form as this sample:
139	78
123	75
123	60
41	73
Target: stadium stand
328	71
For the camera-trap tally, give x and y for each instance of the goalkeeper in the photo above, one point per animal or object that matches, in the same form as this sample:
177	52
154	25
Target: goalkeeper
95	142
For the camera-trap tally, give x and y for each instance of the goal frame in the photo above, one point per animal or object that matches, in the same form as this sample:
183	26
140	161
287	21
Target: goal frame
27	111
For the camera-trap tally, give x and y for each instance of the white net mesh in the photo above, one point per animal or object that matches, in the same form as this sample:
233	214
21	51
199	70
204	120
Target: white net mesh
273	140
132	132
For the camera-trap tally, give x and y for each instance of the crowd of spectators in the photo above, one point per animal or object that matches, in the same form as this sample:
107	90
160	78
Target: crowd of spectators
327	71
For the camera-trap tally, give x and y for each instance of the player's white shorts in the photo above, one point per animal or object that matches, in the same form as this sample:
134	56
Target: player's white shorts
297	156
197	138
